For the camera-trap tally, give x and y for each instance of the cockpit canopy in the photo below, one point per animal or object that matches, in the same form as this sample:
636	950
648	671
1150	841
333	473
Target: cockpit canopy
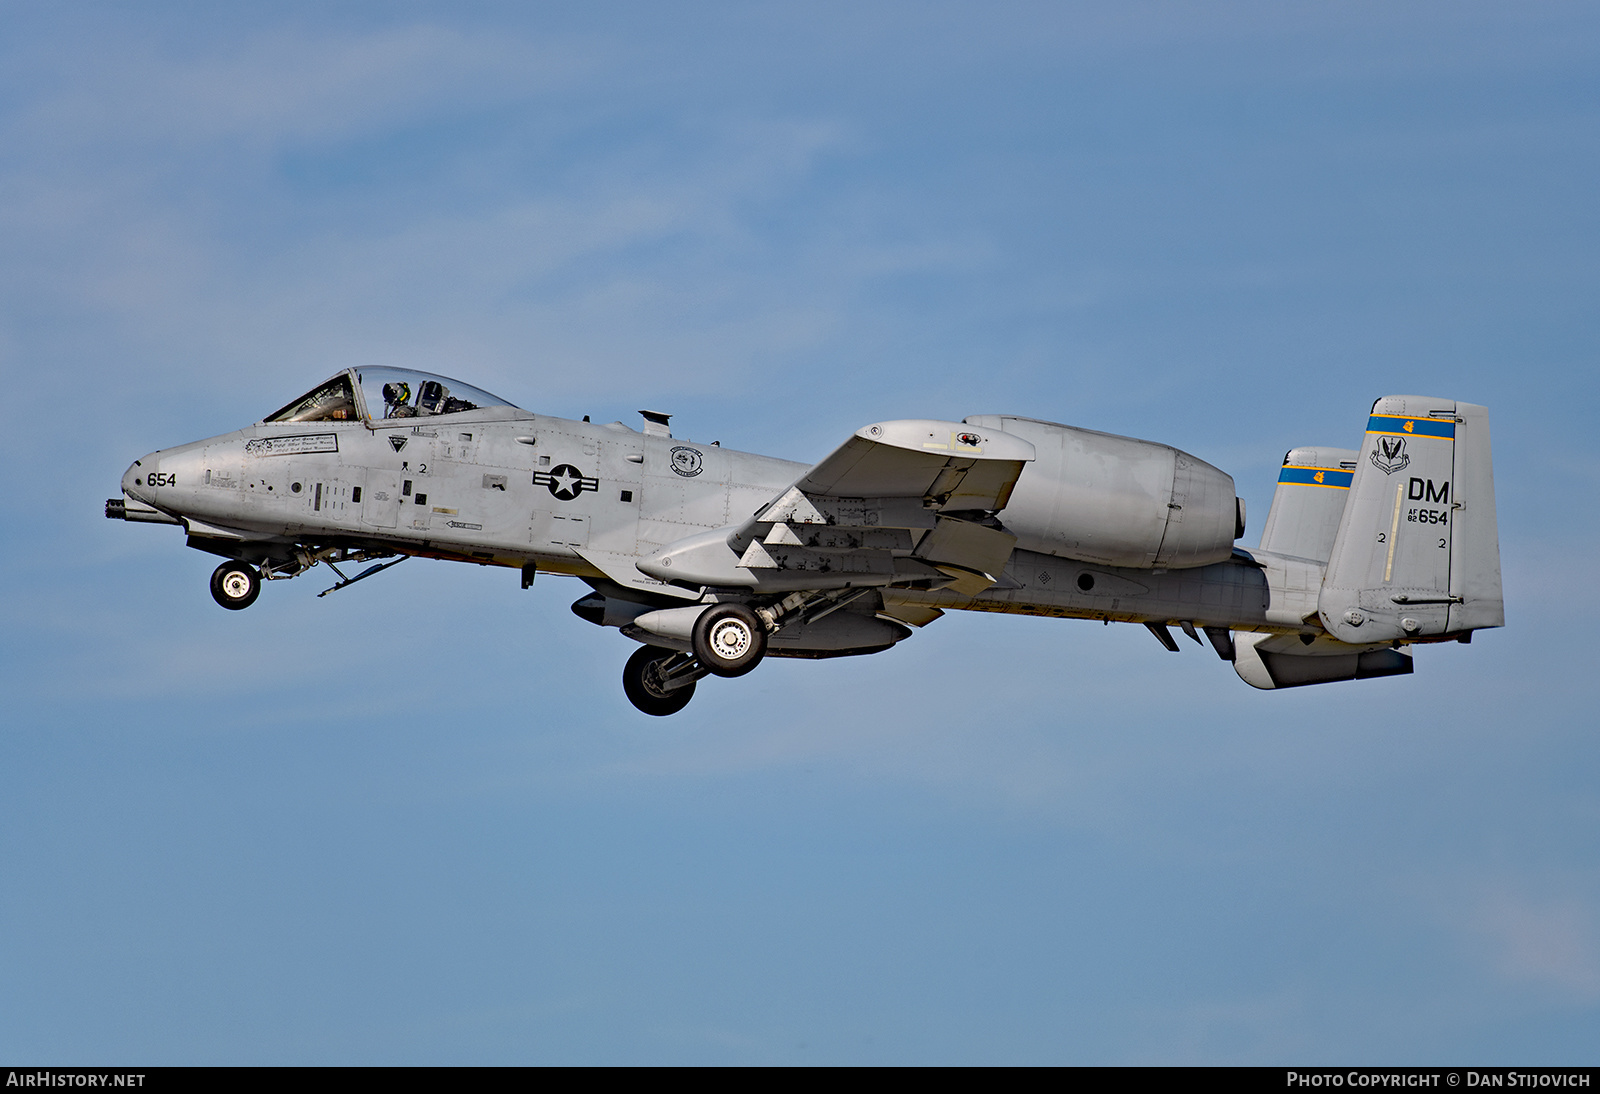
376	394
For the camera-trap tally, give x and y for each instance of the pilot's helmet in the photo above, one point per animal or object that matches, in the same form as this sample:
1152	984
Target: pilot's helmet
397	394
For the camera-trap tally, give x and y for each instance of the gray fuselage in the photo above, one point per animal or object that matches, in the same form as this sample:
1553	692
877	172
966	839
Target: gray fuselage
502	486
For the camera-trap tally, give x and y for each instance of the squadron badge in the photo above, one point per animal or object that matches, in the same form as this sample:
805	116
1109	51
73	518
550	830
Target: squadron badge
686	461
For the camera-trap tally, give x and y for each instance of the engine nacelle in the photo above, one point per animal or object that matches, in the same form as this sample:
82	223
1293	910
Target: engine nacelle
1097	497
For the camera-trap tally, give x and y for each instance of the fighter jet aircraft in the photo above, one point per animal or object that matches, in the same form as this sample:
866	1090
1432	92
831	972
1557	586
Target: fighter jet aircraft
713	559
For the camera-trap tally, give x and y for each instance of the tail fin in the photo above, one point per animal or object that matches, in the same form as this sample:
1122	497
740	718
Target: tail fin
1417	554
1312	489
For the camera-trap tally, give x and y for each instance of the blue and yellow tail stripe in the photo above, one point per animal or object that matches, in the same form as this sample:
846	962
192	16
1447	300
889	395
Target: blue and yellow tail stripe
1410	427
1332	478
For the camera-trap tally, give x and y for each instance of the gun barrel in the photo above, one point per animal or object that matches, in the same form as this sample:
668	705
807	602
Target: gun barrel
124	509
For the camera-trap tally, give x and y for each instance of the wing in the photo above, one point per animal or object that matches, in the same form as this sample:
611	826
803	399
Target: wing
907	503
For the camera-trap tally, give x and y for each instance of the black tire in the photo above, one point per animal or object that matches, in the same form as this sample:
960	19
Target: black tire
729	639
235	585
638	684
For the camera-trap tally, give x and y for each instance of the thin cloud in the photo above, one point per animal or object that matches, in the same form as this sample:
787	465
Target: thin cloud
1540	940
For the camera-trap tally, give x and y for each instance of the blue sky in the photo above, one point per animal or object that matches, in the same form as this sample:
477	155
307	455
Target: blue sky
418	822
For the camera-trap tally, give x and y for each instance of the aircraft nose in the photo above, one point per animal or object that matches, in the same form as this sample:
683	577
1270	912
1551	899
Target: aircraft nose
133	480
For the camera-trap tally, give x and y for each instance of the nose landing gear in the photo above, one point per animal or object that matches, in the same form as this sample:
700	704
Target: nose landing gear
660	681
235	585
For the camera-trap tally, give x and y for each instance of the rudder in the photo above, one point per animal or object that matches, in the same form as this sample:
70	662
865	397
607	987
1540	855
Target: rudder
1476	597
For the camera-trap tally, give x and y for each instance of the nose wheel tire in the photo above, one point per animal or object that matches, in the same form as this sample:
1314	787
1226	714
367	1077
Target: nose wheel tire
729	639
641	683
235	585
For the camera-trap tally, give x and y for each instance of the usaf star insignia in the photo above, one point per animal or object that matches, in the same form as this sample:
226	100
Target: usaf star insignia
565	481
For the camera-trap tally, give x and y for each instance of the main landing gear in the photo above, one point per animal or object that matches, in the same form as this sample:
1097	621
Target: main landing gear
235	585
729	639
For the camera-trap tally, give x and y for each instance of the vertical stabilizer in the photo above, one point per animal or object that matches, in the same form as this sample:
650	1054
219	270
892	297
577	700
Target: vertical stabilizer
1313	486
1417	552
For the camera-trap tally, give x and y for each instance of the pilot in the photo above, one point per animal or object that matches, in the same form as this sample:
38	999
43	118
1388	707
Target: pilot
395	398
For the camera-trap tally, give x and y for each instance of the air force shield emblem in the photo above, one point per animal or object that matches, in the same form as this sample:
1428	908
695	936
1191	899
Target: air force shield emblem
1390	455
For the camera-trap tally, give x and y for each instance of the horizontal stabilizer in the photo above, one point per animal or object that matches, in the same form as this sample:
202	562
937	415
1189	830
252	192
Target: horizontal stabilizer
1270	662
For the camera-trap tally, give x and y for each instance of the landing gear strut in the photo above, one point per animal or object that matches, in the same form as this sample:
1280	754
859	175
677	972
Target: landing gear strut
660	681
235	585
